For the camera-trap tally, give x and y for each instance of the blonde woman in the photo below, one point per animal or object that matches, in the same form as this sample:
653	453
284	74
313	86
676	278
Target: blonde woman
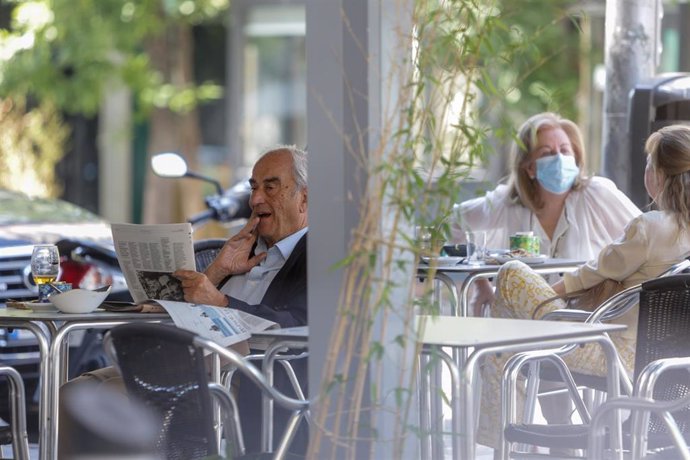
548	194
651	243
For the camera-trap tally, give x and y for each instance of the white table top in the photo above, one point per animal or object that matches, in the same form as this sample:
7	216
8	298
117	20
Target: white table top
300	332
55	315
455	331
491	268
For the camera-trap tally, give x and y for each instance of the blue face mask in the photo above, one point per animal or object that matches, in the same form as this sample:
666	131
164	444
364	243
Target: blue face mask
556	173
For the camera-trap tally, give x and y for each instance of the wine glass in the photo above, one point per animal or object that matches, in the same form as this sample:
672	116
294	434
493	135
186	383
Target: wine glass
45	266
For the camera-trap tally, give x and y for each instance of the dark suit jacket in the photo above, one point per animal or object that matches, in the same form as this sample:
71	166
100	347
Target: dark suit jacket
285	301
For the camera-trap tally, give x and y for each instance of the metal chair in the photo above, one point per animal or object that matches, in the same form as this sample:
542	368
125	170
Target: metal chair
662	389
664	318
205	251
610	310
165	367
15	433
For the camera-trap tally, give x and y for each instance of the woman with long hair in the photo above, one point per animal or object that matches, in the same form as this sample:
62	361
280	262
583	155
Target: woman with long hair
651	243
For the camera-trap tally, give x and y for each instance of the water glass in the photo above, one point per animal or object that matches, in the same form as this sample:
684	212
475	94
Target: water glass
424	236
476	247
45	265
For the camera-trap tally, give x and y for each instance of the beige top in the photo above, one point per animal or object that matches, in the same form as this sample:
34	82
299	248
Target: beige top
652	243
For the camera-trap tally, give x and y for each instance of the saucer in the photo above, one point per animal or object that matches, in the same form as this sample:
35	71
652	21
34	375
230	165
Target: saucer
31	305
41	306
503	258
448	261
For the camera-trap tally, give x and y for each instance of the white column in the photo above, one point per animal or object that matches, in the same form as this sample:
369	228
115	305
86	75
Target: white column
348	62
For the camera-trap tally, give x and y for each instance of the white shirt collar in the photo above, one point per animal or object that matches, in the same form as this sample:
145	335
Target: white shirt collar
285	246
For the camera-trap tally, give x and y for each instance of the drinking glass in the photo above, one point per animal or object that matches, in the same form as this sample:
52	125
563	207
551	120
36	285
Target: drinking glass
476	247
45	265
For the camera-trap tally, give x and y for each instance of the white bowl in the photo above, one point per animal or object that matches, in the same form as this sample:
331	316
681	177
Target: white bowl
78	300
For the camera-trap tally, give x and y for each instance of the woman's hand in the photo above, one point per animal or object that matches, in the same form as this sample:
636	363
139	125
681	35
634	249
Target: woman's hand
559	287
482	294
199	289
234	258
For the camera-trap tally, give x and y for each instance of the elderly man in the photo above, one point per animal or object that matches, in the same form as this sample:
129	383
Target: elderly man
261	270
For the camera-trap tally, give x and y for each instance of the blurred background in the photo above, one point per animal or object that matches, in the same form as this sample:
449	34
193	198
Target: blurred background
90	89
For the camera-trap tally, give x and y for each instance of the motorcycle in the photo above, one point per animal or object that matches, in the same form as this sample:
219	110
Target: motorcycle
224	206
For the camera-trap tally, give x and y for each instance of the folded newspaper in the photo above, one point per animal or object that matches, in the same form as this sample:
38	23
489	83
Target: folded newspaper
148	255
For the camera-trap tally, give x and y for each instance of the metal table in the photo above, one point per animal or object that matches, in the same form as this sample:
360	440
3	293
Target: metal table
484	271
460	308
274	341
52	329
483	336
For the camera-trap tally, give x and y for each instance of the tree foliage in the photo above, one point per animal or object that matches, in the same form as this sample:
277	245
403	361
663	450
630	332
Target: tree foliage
66	51
30	146
538	51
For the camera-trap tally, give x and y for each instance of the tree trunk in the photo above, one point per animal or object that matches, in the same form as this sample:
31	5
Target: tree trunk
632	32
173	200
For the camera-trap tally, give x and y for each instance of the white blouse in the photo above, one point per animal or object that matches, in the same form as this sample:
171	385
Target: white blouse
651	243
593	216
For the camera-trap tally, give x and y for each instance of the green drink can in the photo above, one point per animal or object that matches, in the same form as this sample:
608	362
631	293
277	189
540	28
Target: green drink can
525	243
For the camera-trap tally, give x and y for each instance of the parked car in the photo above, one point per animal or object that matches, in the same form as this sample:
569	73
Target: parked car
25	221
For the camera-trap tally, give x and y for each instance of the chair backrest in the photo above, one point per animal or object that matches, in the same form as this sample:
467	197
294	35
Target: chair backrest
161	366
662	332
205	251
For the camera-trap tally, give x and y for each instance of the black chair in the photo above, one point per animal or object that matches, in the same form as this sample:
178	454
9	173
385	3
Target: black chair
15	433
664	319
662	389
608	311
165	367
205	251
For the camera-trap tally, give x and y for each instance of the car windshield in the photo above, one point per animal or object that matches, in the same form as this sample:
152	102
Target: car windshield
17	208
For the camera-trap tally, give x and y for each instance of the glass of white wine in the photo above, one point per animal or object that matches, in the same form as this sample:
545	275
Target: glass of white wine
45	265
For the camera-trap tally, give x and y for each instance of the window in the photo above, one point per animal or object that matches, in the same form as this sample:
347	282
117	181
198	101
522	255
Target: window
267	99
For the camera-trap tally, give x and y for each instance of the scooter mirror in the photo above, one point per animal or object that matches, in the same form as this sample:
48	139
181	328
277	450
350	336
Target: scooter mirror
168	165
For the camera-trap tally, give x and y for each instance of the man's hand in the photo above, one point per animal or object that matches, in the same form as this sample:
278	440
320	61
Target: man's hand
234	258
199	289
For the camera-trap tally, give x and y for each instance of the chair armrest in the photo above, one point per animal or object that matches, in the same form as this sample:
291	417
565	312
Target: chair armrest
616	306
511	370
231	424
651	373
609	310
253	374
567	314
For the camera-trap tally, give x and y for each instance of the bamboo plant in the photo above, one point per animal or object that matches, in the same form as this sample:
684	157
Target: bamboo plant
437	136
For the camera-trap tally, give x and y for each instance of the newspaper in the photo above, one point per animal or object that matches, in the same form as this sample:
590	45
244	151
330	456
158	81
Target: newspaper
149	254
224	326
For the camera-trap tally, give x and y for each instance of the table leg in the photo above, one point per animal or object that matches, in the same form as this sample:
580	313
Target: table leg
424	407
267	366
44	420
455	396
